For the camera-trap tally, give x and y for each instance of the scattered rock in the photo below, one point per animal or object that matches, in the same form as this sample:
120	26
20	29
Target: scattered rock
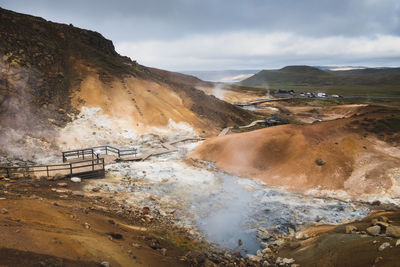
115	235
146	210
393	231
4	211
87	226
164	251
383	246
374	221
374	230
253	258
398	242
263	234
105	264
62	184
76	179
350	229
78	193
58	176
267	251
320	161
384	219
283	261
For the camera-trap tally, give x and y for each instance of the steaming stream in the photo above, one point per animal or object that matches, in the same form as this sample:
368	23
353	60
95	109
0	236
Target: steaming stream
223	207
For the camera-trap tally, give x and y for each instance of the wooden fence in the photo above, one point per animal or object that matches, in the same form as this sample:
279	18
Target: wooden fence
92	168
91	152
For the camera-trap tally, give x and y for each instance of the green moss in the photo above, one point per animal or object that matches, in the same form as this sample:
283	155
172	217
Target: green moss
176	239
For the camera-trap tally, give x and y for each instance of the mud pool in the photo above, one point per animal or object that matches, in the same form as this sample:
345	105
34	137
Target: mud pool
219	207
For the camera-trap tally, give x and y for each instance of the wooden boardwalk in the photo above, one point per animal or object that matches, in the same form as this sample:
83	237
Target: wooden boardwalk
260	101
168	148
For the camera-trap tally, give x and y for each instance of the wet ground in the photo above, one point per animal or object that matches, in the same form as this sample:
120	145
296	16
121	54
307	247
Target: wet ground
217	206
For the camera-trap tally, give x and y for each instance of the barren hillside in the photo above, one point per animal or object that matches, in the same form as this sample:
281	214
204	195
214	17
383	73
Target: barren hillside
51	71
358	156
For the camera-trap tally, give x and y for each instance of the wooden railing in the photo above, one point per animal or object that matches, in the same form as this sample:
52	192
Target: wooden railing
68	169
91	152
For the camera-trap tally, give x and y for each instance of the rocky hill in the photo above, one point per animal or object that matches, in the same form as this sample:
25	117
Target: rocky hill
50	72
356	156
370	81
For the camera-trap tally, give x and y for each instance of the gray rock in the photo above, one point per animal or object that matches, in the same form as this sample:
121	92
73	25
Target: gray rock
253	258
263	234
4	211
105	264
383	246
76	179
374	230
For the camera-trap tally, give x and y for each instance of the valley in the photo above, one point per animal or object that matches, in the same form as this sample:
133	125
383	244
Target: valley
211	182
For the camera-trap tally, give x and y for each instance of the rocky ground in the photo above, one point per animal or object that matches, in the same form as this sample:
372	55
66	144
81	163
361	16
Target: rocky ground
54	223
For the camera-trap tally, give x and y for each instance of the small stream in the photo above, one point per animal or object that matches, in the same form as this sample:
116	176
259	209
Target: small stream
223	207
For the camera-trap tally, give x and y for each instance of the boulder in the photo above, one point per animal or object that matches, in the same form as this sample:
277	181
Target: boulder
254	258
374	221
374	230
383	246
350	229
393	231
76	179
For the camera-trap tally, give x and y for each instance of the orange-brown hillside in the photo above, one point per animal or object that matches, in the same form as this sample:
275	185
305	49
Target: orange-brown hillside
49	71
350	154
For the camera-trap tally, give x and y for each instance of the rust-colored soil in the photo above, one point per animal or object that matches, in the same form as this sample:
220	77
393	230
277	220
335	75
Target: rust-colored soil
350	156
333	247
42	229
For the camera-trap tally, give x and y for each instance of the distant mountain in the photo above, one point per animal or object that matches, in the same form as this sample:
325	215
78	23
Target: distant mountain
227	76
346	81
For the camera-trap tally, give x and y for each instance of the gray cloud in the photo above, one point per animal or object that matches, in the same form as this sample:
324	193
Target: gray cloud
131	24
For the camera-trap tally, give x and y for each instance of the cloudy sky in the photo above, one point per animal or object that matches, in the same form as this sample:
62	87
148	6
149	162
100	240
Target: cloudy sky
236	34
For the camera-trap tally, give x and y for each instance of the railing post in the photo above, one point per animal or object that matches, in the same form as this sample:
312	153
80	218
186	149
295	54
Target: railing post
70	169
8	172
47	170
83	154
92	165
119	154
106	151
63	156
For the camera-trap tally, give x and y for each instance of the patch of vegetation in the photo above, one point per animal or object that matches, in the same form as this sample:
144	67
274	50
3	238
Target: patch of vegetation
382	82
321	102
177	239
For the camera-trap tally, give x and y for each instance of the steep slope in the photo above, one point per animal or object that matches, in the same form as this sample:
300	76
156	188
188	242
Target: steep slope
50	72
372	81
357	155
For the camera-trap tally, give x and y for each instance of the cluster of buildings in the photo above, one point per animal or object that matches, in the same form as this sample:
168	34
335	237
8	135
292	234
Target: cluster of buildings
306	94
